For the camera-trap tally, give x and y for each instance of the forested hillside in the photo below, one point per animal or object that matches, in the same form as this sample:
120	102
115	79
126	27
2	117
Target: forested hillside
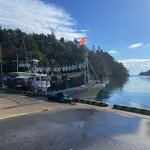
47	47
146	73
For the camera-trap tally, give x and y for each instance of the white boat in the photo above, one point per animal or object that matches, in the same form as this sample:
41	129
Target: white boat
39	83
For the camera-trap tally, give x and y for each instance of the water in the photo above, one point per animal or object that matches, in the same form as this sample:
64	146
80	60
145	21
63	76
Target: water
131	91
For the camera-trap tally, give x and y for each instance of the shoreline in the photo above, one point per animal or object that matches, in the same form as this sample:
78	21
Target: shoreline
13	105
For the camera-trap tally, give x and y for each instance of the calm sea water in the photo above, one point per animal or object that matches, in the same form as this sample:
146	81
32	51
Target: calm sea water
131	91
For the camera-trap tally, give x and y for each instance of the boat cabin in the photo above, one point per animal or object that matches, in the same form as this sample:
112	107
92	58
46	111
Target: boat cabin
36	81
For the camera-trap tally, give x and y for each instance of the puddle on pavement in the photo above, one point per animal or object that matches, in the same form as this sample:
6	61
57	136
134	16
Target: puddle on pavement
83	117
80	124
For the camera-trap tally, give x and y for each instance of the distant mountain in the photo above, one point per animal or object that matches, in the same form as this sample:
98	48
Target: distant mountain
146	73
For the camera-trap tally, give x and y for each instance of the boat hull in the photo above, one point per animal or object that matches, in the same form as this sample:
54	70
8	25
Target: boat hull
85	91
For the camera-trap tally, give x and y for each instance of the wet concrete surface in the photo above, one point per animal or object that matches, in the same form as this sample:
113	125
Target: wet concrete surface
12	105
74	129
13	100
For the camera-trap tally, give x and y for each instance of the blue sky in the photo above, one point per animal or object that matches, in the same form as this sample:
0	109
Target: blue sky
113	24
120	27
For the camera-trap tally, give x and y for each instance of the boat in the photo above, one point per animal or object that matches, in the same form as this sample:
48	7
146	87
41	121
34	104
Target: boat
88	90
41	83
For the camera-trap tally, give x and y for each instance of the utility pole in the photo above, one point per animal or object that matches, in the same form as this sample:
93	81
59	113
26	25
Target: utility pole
1	60
17	62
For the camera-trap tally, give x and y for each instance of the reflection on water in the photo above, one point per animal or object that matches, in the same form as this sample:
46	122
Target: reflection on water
130	91
114	84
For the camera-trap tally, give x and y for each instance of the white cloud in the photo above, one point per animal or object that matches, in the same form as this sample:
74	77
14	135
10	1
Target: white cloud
84	30
38	17
135	45
112	52
135	66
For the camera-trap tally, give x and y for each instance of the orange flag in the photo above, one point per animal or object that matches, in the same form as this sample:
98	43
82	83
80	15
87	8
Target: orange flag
82	42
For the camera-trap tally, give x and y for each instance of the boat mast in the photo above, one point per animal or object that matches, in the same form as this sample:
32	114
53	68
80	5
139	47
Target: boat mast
86	67
88	74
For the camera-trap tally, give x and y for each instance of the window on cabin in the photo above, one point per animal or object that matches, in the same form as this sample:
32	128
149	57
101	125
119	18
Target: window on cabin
37	78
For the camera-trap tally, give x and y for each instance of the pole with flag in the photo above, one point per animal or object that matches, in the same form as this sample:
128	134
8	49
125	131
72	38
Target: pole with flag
86	68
